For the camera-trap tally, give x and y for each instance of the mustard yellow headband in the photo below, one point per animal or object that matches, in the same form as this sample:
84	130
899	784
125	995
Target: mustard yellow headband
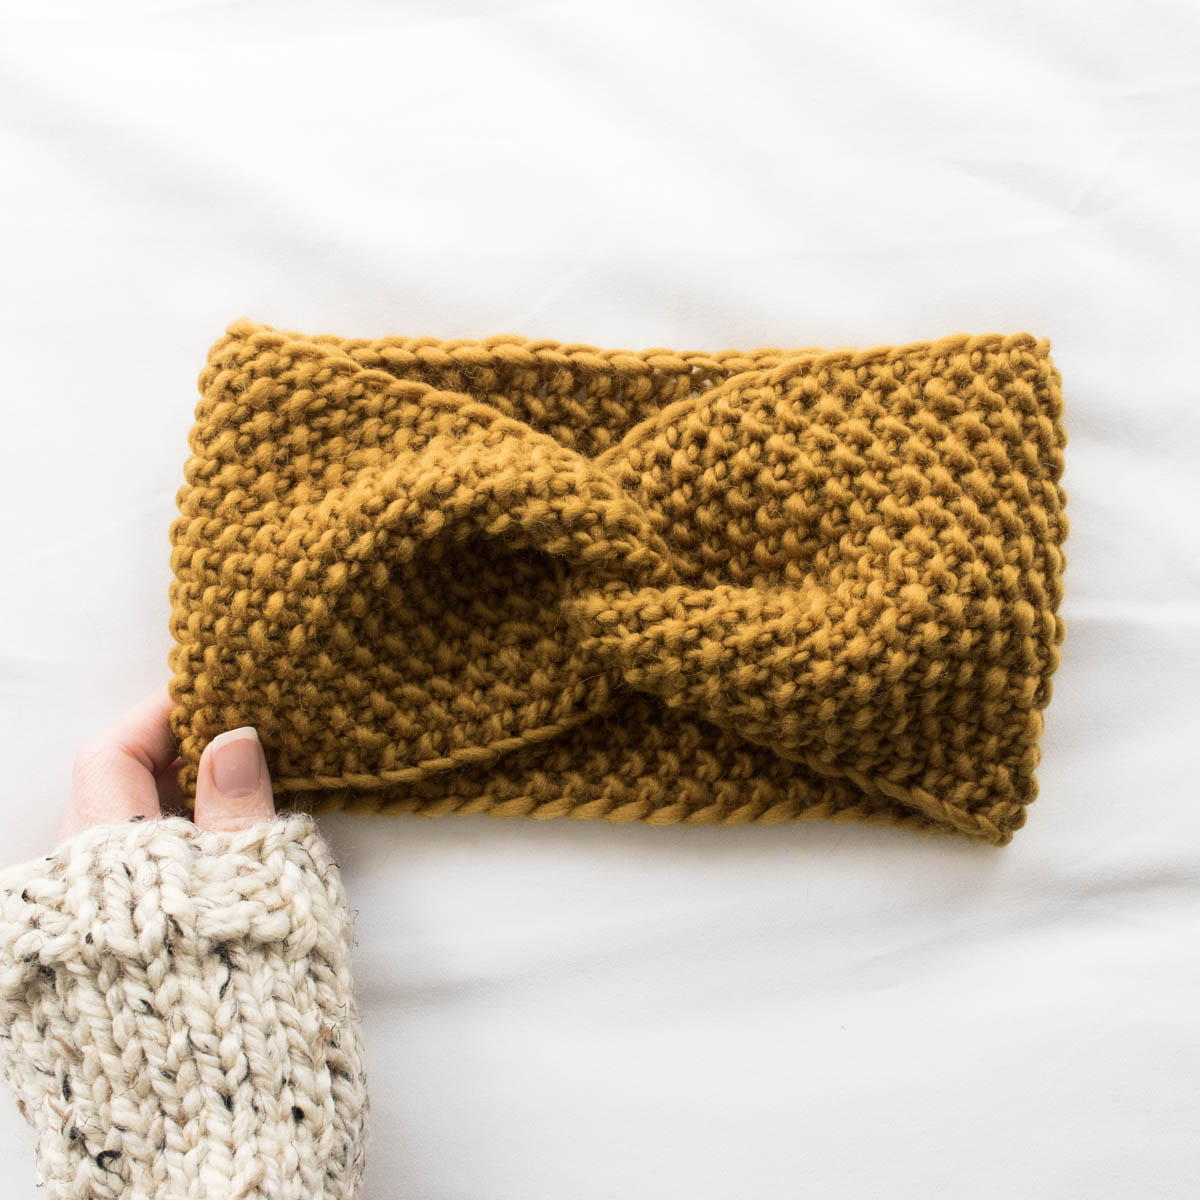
526	578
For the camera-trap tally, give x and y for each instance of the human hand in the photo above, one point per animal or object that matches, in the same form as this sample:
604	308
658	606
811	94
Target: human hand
128	773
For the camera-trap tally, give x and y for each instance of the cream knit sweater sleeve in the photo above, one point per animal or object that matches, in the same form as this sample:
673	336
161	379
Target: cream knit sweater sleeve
177	1017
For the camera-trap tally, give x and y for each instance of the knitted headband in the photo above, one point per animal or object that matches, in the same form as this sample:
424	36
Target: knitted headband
526	578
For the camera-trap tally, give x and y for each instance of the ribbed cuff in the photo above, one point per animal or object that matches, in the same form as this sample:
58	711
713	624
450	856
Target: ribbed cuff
177	1016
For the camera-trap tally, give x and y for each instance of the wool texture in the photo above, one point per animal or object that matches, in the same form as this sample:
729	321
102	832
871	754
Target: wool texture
177	1016
527	578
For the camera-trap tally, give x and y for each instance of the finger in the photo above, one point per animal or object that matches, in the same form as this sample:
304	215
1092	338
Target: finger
233	786
113	779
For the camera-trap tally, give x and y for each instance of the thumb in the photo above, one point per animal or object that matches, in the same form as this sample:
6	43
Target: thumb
233	787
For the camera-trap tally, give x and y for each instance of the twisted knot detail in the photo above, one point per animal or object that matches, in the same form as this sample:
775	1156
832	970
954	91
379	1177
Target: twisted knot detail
526	578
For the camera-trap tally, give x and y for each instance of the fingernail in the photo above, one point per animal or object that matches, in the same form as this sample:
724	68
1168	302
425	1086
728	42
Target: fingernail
239	767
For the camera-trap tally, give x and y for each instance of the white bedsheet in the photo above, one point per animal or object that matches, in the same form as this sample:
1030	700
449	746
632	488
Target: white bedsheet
571	1009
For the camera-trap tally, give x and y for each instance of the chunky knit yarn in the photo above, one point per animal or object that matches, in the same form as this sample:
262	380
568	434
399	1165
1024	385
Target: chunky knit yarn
177	1017
520	577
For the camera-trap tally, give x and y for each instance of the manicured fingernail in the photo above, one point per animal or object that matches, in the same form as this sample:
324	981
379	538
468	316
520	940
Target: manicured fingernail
239	767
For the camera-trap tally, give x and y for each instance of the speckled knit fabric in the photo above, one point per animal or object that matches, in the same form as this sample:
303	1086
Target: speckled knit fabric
529	578
177	1017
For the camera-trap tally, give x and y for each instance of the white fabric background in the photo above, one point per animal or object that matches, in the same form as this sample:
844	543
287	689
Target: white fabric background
573	1009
